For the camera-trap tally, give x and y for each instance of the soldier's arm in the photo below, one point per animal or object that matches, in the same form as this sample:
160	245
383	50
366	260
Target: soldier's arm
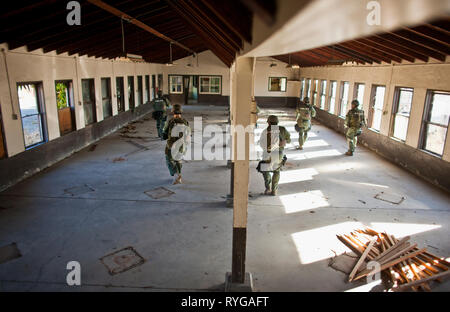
313	112
166	129
347	120
287	135
364	119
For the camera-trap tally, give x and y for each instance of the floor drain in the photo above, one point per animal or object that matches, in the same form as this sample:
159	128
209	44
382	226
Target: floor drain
79	190
160	192
390	198
122	260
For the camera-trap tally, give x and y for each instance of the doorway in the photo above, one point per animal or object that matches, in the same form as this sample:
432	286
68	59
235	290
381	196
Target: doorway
153	87
160	82
65	105
120	94
131	103
90	109
193	90
106	98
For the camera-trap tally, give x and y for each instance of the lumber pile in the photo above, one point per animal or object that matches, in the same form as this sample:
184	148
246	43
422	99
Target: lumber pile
406	266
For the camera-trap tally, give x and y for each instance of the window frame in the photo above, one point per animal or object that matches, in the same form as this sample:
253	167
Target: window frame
372	107
302	89
210	76
178	84
395	107
40	97
341	98
425	122
330	96
139	91
281	79
356	93
323	94
315	92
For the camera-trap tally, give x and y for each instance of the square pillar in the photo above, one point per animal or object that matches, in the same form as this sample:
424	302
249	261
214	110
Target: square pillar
242	81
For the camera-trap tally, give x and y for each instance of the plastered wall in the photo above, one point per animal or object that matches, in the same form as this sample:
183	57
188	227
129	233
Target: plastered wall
419	76
37	66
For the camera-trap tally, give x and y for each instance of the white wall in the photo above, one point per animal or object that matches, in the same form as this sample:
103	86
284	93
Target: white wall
209	64
263	71
49	67
420	76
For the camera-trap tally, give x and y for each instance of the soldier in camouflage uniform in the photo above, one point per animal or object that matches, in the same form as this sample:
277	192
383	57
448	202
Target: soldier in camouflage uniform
177	133
270	166
304	114
160	106
354	122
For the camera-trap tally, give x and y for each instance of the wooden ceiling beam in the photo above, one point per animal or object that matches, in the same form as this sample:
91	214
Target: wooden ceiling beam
410	44
218	48
431	33
235	16
392	45
422	40
337	53
136	22
356	54
364	51
386	50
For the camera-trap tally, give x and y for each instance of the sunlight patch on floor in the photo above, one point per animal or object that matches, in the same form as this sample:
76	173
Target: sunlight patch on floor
303	201
321	243
299	175
403	229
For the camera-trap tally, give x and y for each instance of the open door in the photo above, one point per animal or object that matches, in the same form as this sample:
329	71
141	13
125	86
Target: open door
65	104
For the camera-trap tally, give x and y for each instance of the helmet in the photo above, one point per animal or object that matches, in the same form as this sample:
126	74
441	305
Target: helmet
306	100
272	120
177	109
356	103
160	93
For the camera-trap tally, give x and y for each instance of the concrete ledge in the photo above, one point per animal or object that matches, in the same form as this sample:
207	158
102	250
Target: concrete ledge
23	165
235	287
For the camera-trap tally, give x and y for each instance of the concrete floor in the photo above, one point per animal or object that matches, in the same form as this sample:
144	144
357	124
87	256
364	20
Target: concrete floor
186	238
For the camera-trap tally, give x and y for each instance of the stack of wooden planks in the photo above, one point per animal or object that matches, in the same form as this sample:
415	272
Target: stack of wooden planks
407	266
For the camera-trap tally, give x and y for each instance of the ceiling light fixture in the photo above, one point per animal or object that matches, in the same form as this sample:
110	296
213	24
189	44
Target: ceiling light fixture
171	57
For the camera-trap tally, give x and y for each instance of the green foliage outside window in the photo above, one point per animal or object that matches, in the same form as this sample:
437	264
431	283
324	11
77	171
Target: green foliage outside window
61	95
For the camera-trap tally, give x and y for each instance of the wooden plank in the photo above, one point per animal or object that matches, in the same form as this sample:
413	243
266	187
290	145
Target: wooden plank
362	259
428	279
389	264
136	22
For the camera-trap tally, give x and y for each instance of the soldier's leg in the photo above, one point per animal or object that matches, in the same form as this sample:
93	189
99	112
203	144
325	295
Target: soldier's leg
171	164
275	181
267	180
301	138
158	126
351	135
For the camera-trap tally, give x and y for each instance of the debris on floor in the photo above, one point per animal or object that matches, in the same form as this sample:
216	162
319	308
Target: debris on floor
93	148
160	192
122	260
344	263
118	159
390	198
79	190
9	252
405	265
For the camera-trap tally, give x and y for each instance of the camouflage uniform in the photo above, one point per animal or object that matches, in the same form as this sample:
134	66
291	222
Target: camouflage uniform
160	106
180	138
304	115
354	121
270	168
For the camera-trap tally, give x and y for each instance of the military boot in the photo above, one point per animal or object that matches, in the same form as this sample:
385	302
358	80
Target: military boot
349	153
178	180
